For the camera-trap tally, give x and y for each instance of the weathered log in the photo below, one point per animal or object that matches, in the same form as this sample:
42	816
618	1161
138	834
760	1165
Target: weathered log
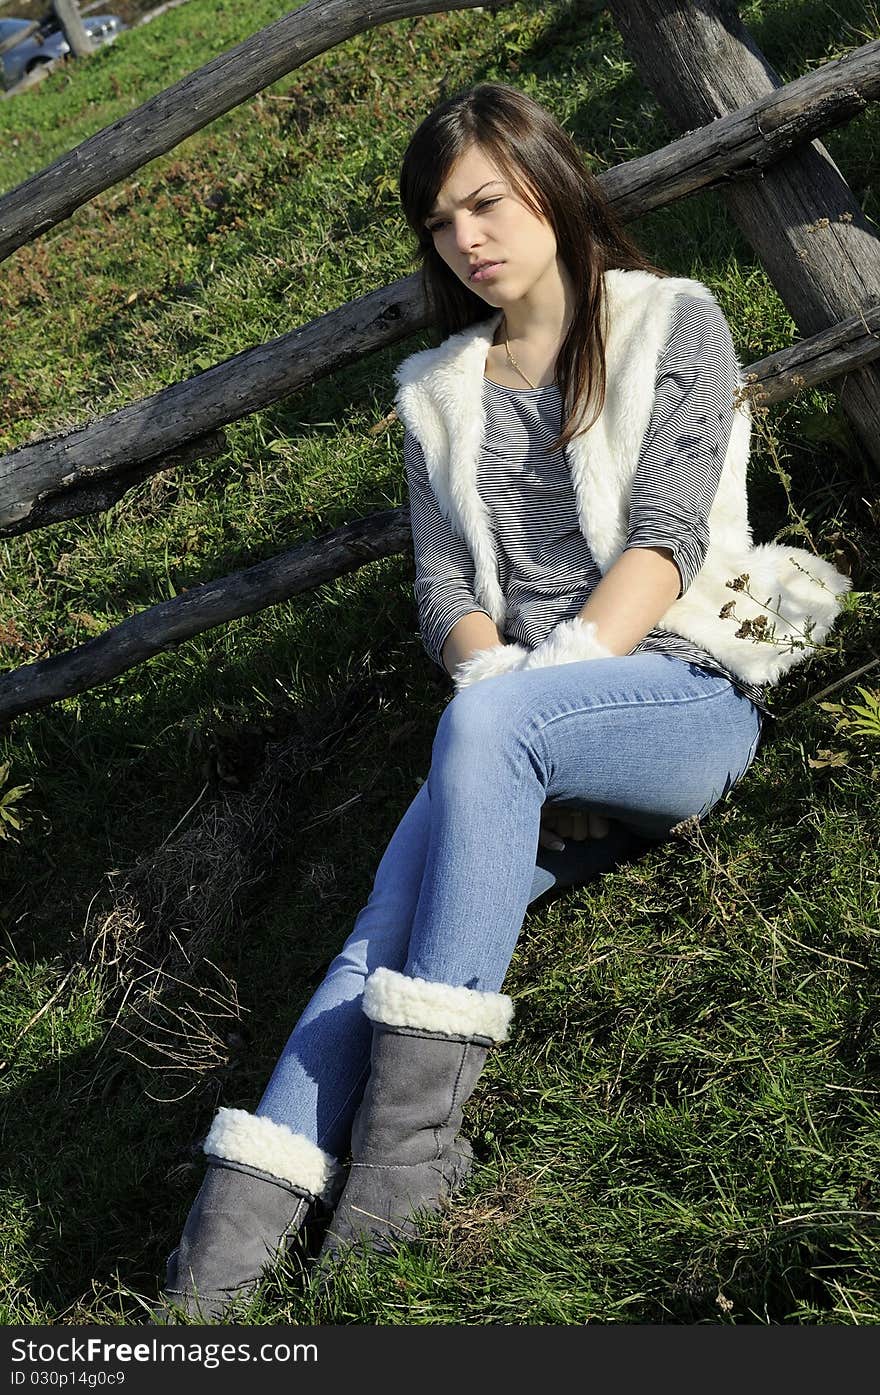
201	608
184	108
745	143
35	477
42	481
822	358
94	495
801	217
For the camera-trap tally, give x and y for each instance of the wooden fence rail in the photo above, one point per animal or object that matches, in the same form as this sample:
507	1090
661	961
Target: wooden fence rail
85	469
739	145
826	356
88	469
202	607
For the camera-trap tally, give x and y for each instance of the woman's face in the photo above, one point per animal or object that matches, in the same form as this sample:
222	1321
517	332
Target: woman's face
479	217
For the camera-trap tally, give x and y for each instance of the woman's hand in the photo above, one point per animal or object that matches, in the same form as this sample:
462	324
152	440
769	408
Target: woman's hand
559	822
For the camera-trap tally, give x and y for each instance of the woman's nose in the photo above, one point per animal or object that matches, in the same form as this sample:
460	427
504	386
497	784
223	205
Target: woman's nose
466	235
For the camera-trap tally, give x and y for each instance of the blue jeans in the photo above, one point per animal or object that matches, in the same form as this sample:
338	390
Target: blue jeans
646	740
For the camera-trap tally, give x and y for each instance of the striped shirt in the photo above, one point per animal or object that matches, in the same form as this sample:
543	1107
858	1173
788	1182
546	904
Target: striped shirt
546	569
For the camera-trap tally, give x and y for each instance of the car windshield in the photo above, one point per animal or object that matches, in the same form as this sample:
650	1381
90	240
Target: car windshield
8	27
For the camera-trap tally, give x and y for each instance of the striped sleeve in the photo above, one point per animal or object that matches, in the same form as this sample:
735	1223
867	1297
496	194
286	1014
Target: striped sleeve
684	447
444	581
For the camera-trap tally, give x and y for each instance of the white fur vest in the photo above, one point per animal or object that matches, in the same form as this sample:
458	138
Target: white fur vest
440	399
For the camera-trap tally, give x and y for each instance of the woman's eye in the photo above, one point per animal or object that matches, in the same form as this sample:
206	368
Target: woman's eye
484	203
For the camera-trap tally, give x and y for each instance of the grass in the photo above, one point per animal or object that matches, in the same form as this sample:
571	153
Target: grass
684	1127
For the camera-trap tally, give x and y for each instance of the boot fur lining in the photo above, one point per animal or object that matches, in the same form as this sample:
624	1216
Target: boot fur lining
261	1142
399	1000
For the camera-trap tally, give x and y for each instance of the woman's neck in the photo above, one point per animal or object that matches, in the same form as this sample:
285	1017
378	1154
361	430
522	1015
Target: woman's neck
535	356
542	316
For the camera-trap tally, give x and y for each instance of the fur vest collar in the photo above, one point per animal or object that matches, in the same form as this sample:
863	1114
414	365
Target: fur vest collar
789	595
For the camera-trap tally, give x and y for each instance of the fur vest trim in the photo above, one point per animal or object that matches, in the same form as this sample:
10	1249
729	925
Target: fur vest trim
791	594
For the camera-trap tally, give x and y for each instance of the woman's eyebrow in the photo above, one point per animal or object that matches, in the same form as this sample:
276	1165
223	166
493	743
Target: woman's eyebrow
468	197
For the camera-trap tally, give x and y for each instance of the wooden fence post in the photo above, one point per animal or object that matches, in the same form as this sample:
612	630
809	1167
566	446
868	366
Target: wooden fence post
800	216
75	32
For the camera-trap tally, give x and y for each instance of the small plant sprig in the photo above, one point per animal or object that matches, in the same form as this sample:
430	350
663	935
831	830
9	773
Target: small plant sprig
10	816
859	720
761	630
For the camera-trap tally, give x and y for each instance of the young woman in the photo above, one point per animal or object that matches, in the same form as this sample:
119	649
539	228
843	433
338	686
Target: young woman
576	466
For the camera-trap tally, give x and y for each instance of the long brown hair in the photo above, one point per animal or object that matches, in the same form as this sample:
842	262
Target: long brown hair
545	167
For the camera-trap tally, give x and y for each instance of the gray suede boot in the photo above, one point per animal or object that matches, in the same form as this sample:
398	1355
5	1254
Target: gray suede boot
261	1180
430	1042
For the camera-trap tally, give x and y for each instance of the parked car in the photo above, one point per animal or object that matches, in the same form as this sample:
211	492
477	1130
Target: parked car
47	44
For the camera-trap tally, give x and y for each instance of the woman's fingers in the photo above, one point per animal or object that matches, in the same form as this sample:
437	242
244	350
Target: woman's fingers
548	839
573	823
558	822
549	835
577	825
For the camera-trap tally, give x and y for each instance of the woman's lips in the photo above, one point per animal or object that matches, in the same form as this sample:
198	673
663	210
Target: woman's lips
486	271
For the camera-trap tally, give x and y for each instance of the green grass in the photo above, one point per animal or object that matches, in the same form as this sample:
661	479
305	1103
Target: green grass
684	1127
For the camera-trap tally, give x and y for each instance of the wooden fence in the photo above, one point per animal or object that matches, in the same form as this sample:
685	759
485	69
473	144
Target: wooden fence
754	143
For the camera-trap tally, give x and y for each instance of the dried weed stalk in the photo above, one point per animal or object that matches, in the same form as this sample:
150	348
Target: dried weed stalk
175	1011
